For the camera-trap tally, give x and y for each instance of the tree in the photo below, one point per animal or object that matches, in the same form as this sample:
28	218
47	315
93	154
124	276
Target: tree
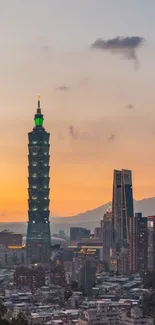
20	320
148	304
3	310
149	280
4	322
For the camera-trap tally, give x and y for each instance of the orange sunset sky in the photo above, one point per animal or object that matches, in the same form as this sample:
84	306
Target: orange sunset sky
46	45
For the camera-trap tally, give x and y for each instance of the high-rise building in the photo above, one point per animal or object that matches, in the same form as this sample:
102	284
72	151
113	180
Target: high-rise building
8	238
98	232
138	244
78	233
32	277
38	232
86	274
151	242
122	204
106	226
122	258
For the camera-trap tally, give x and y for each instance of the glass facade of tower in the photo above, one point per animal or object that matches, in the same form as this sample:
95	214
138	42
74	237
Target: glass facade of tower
38	231
122	204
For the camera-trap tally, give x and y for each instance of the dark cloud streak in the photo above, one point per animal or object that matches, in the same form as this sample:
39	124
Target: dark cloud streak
73	132
44	48
130	106
63	88
111	137
127	46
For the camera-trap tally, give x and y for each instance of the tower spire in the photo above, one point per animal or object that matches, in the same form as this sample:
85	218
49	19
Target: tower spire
38	108
39	116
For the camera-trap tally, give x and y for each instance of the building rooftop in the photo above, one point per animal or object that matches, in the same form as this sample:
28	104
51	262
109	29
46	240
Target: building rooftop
54	241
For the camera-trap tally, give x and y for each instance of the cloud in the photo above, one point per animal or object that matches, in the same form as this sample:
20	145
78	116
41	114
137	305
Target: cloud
127	46
63	88
111	137
44	48
73	132
130	106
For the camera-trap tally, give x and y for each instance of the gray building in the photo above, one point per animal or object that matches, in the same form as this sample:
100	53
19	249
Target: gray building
151	242
78	233
107	231
122	204
138	244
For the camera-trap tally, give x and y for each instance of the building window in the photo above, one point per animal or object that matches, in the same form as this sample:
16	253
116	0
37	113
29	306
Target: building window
34	175
34	186
34	163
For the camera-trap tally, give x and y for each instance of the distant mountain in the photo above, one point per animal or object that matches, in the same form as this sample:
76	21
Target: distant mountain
146	206
89	219
88	216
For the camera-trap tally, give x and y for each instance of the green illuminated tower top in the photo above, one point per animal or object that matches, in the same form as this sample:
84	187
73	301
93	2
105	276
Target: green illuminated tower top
38	117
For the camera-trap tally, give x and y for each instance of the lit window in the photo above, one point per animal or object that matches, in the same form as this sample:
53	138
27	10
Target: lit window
34	197
45	175
34	163
34	186
45	153
34	153
45	186
34	142
45	209
45	142
45	164
34	209
33	221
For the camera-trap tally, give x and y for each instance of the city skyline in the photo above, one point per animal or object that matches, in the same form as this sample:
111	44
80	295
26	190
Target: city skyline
99	107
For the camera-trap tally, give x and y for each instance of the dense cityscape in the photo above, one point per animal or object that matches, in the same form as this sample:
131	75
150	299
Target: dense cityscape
100	277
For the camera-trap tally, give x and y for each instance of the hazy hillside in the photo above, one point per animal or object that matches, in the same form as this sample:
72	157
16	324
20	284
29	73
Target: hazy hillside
88	216
88	219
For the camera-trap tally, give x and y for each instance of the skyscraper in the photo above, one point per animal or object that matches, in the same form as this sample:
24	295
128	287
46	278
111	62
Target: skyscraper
106	226
138	244
122	204
151	242
38	231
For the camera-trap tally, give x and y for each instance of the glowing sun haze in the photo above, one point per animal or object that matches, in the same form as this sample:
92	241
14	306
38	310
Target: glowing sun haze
98	106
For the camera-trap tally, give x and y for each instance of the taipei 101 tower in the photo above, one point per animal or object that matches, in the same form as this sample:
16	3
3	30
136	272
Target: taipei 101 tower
38	241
